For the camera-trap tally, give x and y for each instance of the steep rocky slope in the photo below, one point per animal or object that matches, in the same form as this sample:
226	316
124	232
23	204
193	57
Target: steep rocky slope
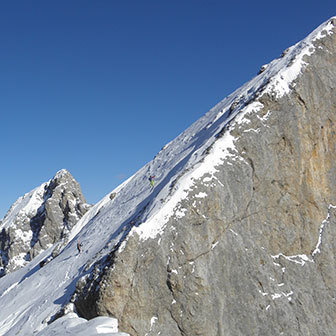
243	242
235	238
39	219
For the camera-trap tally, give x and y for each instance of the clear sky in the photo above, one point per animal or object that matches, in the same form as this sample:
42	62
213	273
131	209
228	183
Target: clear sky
98	87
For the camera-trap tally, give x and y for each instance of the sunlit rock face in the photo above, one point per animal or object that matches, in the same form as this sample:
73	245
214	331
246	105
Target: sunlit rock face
250	248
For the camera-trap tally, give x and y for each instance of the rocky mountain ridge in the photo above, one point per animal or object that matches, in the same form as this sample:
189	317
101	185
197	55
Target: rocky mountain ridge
235	238
247	248
39	219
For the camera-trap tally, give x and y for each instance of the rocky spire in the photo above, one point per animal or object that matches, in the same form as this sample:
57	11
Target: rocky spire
40	219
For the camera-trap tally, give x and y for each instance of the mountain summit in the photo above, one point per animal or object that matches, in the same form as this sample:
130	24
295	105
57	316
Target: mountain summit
39	219
234	236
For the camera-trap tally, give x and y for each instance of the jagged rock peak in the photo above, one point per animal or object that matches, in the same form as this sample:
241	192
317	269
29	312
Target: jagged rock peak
61	173
40	218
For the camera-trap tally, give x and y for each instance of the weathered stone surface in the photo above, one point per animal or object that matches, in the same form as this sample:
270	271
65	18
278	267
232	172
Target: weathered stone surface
256	255
39	219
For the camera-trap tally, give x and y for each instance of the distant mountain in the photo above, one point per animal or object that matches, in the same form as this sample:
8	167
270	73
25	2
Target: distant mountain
39	219
235	237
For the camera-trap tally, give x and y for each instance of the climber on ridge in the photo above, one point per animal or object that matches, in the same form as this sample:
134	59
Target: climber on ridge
79	245
151	181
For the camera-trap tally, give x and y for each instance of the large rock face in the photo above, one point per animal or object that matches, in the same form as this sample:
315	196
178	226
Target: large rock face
250	249
40	219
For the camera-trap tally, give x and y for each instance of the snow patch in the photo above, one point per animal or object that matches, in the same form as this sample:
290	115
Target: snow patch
201	195
282	294
253	107
25	206
280	84
300	259
323	224
153	320
235	233
73	325
155	225
263	293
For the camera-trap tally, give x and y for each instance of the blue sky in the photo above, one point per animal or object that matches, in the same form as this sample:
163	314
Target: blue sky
98	87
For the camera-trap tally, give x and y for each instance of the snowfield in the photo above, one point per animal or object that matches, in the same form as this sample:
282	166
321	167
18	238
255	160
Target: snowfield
32	296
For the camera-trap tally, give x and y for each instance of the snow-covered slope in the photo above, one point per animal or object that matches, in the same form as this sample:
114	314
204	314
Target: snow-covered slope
33	296
25	207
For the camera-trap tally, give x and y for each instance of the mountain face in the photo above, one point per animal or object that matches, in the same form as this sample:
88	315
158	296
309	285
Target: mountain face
236	237
245	242
39	219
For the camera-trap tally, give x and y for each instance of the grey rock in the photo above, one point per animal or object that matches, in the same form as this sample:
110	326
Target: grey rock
40	219
256	256
112	195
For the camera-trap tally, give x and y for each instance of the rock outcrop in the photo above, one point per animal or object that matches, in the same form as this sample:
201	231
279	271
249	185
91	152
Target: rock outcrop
40	219
250	247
